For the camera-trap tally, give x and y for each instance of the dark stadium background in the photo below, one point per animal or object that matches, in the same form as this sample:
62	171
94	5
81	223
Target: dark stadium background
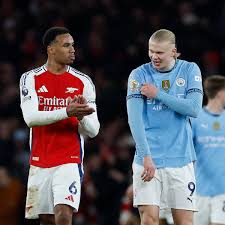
111	38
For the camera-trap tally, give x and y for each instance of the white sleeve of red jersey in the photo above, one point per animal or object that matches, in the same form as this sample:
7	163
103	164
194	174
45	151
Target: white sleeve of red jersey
89	125
29	105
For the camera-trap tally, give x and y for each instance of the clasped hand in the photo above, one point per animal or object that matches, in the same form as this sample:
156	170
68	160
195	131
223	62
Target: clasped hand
149	90
78	107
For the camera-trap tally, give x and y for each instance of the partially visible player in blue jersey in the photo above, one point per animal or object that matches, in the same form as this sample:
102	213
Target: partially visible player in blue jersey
162	96
209	142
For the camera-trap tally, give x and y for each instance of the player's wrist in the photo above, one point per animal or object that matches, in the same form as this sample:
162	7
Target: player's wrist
82	120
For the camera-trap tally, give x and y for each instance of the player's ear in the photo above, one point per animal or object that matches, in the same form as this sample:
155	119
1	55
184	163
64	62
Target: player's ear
50	49
174	52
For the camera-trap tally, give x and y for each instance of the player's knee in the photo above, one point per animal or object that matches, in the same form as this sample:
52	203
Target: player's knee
148	219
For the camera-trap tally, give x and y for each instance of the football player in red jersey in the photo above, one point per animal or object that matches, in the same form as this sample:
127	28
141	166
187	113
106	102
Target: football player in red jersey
58	104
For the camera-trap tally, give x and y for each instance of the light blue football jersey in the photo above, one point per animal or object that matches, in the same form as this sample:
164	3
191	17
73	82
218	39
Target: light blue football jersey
209	142
166	135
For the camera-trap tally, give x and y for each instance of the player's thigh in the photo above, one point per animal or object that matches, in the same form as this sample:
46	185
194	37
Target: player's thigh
66	185
63	213
182	216
145	193
218	209
180	193
202	217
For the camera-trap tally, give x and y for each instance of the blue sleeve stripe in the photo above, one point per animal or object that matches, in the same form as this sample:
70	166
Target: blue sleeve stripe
194	90
135	96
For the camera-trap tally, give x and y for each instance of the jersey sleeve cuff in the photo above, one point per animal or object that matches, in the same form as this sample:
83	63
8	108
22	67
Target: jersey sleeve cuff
63	113
83	121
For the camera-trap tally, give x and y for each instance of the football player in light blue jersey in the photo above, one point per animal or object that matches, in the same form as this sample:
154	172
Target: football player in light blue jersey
162	96
209	142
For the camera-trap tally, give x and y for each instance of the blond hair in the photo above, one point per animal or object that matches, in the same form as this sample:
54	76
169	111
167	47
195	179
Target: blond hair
163	35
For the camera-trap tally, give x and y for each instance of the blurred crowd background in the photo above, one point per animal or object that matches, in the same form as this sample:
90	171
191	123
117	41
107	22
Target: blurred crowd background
111	39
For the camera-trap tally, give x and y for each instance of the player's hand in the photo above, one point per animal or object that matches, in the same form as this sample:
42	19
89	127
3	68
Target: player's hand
78	107
149	169
149	90
81	100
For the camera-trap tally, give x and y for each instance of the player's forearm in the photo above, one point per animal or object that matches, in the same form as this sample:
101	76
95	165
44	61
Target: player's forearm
40	118
89	125
135	121
189	106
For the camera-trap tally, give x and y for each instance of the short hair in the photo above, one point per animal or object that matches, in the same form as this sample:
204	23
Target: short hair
50	35
213	84
164	35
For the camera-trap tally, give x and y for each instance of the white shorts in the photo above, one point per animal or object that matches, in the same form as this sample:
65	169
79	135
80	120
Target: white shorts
169	188
167	215
211	210
48	187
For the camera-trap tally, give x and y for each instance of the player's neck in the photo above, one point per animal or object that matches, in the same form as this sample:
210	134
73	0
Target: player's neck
169	67
215	106
54	67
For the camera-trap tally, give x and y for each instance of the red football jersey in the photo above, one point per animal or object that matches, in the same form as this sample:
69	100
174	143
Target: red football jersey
54	137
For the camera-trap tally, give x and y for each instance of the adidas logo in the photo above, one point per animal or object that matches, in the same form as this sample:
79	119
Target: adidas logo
42	89
70	198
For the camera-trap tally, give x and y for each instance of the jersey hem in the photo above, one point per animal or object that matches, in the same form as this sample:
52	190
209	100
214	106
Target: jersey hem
49	165
166	162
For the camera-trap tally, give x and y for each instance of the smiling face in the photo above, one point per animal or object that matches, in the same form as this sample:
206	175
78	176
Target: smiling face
162	54
61	50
